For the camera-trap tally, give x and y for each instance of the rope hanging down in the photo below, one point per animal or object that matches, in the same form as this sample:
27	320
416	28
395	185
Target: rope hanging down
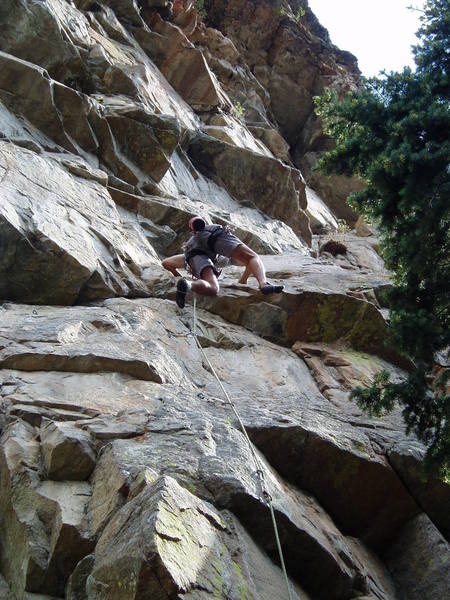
259	468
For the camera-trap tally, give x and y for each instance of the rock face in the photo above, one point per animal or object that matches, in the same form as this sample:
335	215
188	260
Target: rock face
124	471
62	235
158	530
409	559
292	57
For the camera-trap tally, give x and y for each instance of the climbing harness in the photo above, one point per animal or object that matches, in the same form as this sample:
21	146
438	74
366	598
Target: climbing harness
259	468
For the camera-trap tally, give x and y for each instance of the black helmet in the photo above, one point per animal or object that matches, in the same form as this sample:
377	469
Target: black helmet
197	224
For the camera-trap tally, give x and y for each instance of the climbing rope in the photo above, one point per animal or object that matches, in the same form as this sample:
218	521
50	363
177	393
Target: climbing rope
259	467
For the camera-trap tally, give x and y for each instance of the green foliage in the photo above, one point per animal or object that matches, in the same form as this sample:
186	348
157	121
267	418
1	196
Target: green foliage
299	14
200	7
343	226
394	133
280	11
285	11
239	110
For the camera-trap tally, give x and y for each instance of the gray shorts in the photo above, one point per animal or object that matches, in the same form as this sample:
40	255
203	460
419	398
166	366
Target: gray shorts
226	243
198	263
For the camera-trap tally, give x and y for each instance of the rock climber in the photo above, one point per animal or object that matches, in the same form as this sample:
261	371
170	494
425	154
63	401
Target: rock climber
204	251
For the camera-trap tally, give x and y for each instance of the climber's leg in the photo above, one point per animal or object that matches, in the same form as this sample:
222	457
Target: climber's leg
254	266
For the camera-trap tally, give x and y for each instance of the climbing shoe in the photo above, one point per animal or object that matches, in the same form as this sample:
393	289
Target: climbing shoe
183	287
272	289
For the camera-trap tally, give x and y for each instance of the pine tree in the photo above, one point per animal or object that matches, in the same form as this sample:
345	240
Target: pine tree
394	133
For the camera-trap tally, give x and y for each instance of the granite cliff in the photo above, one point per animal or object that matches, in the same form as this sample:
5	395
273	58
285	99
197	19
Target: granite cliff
123	473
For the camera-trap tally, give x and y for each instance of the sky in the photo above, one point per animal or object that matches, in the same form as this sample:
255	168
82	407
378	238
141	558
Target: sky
378	32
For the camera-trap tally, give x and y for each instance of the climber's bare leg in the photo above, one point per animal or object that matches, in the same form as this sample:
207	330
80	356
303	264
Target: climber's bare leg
173	263
253	264
207	285
245	275
247	272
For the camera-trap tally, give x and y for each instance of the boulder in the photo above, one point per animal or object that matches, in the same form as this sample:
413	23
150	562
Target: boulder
87	346
321	217
168	542
332	189
270	185
231	129
76	585
364	229
5	591
36	415
28	90
145	139
126	424
362	254
419	560
64	29
110	486
319	304
265	236
25	540
21	133
293	60
45	532
53	390
62	507
62	237
339	472
187	433
127	11
214	469
431	493
67	451
337	369
183	65
273	140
